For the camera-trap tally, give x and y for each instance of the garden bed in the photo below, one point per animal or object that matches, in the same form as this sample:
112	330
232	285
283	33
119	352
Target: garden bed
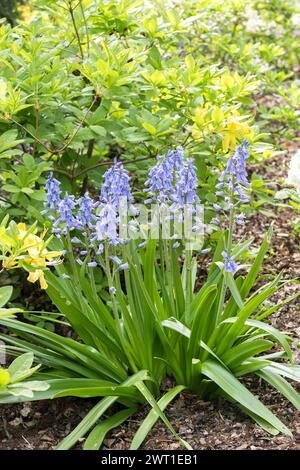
205	425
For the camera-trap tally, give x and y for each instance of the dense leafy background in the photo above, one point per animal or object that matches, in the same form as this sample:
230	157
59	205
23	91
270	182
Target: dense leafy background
82	83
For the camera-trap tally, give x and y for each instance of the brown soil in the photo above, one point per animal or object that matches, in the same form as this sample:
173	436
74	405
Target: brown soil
205	425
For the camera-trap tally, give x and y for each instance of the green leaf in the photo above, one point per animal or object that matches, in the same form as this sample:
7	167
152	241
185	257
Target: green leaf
153	416
282	386
290	371
154	58
249	308
238	392
255	268
190	63
20	366
88	421
148	396
151	129
234	290
98	391
92	417
99	130
5	295
98	434
9	311
280	337
243	351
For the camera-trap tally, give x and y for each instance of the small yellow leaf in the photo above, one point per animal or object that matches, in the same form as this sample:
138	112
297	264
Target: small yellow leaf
4	377
151	25
158	78
217	115
199	117
3	90
5	239
151	129
190	63
226	81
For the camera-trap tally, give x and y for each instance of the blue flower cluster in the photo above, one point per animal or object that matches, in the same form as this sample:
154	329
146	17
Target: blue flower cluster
116	185
86	212
232	184
52	187
172	180
187	184
162	177
234	179
98	219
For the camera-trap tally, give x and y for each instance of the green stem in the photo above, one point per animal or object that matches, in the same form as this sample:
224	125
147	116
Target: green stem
228	246
170	277
115	308
110	283
188	271
77	289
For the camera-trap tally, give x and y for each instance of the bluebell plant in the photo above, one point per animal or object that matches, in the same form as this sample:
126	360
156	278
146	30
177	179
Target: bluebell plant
141	315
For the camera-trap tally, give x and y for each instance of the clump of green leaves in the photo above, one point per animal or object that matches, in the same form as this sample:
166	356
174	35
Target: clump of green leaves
5	295
130	344
13	380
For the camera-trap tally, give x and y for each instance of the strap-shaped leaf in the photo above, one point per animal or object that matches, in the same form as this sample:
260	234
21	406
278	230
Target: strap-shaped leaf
255	268
238	392
282	386
153	416
148	396
95	413
98	434
243	351
280	337
290	371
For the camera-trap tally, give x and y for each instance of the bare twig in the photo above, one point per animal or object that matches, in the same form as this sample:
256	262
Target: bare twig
29	133
7	201
77	128
68	141
86	27
109	163
88	155
71	10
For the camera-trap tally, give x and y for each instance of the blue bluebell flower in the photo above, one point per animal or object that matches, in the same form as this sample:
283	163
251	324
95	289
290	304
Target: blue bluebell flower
75	240
162	177
100	249
106	227
66	213
229	265
142	244
52	187
116	259
240	219
65	276
123	267
85	215
234	179
187	184
116	185
92	264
